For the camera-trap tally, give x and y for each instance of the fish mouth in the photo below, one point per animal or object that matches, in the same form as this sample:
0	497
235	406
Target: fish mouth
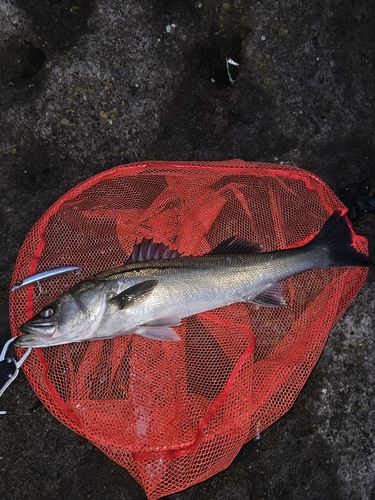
35	335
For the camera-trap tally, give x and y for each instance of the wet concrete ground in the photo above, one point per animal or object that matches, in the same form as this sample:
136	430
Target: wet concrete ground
86	85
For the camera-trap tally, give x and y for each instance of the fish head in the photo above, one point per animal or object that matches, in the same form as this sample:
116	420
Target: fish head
73	317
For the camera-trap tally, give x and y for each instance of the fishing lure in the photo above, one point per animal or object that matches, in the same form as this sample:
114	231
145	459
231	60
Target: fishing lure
44	275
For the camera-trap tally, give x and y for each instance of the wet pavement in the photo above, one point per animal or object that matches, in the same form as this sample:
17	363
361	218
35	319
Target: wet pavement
87	85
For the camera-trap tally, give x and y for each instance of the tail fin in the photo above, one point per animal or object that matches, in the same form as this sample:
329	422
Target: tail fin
336	237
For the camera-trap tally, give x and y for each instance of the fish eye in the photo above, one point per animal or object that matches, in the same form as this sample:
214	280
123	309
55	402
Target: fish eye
47	312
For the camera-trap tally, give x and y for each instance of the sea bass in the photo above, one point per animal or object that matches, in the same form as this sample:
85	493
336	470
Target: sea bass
158	287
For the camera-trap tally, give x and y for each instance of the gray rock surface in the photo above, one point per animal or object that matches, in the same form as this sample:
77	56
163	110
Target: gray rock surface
89	84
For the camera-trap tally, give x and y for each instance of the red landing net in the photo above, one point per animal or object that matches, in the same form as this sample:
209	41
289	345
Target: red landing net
175	413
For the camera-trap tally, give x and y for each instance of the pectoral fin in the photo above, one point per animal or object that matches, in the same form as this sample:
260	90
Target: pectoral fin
133	294
272	297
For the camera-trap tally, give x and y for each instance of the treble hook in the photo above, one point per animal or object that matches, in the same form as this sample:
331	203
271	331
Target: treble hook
9	367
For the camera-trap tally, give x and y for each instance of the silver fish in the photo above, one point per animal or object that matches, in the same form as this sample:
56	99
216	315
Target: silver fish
44	275
148	298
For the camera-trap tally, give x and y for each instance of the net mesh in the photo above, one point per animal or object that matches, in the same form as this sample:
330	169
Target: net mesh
175	413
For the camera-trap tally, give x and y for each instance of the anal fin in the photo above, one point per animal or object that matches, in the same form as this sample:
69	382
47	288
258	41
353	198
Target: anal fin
272	297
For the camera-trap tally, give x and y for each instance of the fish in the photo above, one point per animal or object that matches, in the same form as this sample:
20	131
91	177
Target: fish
158	287
44	275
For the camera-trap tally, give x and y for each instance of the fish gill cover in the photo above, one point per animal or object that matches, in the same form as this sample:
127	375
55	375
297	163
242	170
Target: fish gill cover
175	413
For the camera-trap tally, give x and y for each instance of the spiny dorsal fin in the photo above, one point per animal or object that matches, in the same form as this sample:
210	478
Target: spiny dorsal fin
133	294
236	245
147	249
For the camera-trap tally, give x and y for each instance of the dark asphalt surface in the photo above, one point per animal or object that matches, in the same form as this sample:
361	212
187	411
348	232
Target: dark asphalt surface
89	84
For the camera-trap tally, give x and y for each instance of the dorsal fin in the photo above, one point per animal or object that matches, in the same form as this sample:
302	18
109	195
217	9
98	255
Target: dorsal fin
147	249
236	245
